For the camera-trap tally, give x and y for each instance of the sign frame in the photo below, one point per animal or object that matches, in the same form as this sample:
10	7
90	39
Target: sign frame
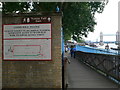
3	41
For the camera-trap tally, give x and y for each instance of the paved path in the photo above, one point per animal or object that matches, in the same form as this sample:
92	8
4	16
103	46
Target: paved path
81	76
0	74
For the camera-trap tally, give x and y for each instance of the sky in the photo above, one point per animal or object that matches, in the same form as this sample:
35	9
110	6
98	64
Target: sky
107	22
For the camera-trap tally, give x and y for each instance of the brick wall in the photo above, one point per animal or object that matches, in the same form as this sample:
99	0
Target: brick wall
35	74
0	50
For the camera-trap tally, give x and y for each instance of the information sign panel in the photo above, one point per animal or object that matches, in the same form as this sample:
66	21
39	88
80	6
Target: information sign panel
27	41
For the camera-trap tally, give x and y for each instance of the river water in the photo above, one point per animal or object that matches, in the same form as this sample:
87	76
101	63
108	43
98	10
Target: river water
111	45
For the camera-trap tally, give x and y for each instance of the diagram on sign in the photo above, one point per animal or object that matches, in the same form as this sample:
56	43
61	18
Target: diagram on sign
27	49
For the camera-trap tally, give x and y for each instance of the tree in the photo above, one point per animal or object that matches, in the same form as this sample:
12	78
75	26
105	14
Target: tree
78	17
13	7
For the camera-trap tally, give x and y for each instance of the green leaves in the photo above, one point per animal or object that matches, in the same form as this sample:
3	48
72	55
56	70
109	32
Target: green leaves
79	19
12	7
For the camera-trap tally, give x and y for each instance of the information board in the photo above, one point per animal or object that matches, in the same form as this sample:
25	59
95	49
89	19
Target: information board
27	41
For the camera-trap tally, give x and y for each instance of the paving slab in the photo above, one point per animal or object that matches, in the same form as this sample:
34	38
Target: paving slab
82	76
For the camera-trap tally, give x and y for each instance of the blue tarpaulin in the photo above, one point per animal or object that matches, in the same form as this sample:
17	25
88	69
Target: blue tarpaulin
96	50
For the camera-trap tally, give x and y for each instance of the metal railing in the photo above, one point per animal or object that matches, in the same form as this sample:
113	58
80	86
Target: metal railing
108	65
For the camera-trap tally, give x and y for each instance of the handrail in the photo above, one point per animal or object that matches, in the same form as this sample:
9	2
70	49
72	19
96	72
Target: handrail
105	64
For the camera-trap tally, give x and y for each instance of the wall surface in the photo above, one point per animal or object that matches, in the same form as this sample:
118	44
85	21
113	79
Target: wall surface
0	51
35	74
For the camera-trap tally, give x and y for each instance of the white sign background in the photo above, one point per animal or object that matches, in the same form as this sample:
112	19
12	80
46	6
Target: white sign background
27	31
27	42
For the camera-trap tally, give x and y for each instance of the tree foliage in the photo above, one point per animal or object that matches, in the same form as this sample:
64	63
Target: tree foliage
12	7
78	17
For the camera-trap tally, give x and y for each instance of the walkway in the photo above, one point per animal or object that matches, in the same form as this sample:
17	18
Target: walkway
81	76
0	71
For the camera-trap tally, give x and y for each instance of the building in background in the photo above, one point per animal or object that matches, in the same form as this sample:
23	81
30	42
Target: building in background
118	32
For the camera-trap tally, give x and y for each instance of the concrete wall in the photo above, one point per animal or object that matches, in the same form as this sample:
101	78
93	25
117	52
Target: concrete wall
35	74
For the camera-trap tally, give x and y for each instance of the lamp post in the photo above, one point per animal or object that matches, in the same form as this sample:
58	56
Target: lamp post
118	39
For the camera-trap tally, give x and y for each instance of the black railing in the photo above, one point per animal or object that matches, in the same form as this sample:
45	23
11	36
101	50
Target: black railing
108	65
